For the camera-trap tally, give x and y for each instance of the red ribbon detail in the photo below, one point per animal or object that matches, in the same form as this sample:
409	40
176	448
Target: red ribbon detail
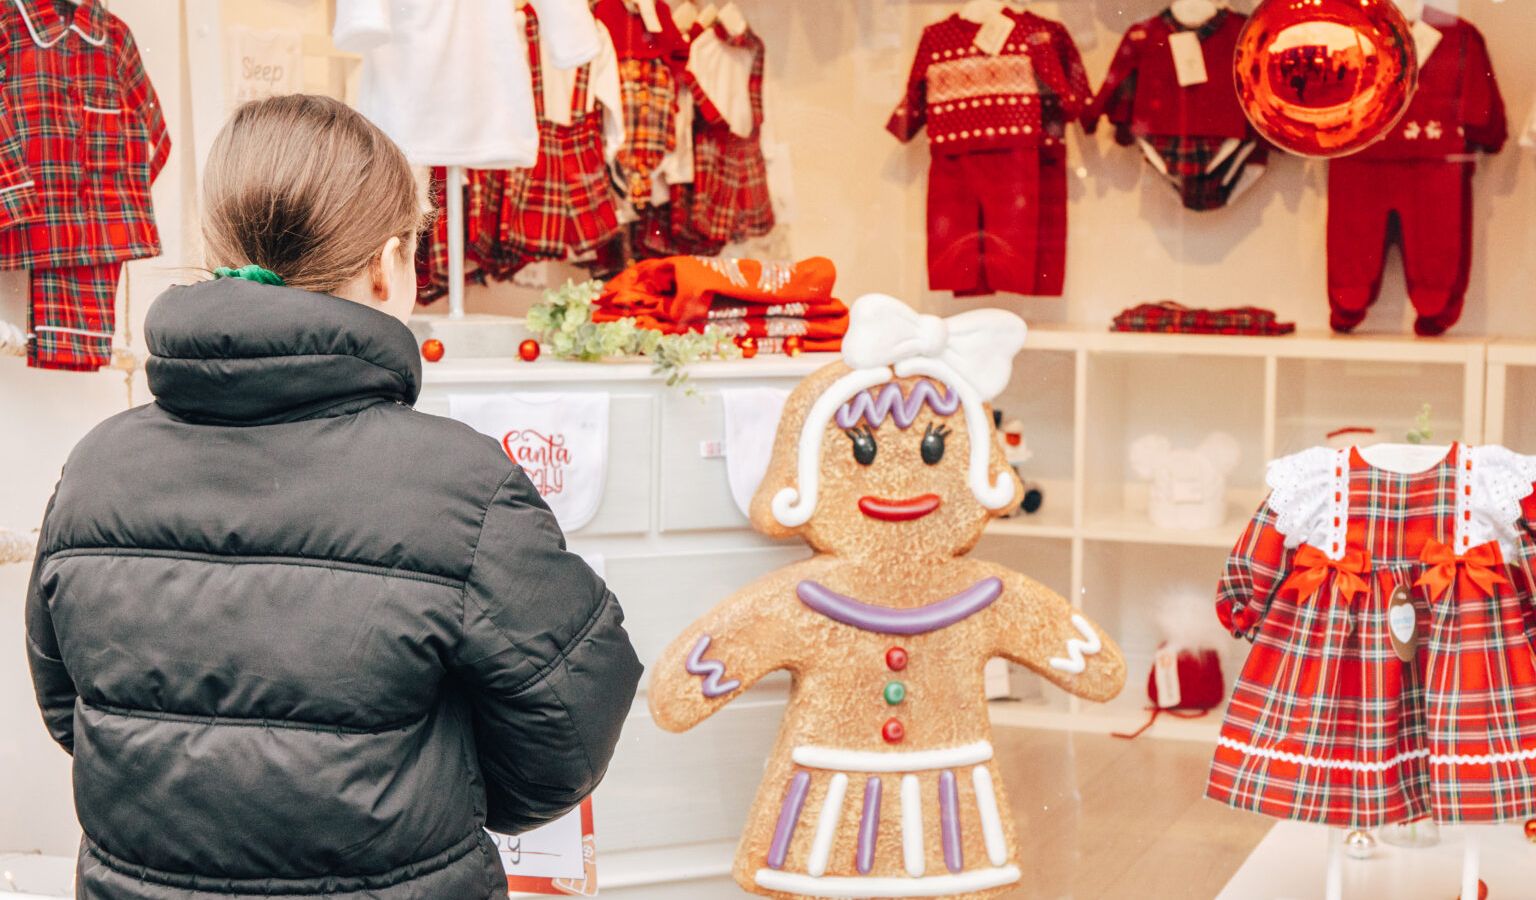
1479	567
1312	567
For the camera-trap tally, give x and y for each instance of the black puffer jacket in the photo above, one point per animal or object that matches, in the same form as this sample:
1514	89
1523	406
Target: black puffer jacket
301	639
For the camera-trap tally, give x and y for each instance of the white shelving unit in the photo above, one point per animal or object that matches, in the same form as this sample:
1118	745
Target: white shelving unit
1084	396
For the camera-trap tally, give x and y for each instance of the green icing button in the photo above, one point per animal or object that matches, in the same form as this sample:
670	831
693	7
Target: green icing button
895	692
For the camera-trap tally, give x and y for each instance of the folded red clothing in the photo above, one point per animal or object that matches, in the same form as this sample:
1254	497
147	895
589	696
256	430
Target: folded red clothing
1170	317
735	309
784	326
683	289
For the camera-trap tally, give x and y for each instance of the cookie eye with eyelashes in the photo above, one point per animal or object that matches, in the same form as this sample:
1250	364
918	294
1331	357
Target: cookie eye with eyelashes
863	445
933	443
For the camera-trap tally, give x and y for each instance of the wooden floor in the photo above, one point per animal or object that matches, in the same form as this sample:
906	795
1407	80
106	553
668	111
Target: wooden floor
1102	818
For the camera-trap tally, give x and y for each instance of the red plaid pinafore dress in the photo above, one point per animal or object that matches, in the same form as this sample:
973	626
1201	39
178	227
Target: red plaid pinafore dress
562	206
730	197
1328	723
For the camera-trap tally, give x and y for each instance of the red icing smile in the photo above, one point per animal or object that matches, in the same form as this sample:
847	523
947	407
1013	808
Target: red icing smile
899	510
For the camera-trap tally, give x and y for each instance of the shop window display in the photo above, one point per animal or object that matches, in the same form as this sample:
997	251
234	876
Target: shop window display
1274	387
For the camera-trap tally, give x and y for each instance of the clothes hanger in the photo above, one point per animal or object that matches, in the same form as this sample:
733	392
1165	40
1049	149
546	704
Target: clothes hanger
734	20
1194	13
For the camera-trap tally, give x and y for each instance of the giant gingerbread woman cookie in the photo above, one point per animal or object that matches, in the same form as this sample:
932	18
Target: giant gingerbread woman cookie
883	781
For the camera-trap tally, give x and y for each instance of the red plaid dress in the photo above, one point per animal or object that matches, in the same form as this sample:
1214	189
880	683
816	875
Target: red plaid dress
564	205
730	199
1327	723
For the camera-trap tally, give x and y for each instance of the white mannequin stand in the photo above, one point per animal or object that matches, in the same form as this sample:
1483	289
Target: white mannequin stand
453	188
1404	458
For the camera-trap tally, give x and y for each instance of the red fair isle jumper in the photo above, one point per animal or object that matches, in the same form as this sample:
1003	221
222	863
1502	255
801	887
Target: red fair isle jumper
996	128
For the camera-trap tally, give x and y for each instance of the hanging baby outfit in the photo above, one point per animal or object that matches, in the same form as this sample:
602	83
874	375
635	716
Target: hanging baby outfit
997	133
81	141
1419	174
564	205
1194	135
1392	674
436	118
649	65
730	198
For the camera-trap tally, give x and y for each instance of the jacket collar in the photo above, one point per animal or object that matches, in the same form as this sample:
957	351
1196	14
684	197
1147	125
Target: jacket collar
47	27
1204	30
233	352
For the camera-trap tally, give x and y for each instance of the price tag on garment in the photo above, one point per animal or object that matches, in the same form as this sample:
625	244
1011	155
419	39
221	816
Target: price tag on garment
1426	38
994	33
557	858
648	15
1165	675
1402	624
1188	58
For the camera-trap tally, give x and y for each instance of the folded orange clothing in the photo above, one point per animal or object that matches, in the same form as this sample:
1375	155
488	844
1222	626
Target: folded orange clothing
784	326
681	290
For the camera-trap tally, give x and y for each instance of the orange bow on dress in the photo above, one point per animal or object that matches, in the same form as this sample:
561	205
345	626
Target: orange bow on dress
1313	566
1480	566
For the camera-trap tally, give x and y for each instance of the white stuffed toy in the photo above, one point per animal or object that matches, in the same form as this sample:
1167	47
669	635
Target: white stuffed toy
1189	487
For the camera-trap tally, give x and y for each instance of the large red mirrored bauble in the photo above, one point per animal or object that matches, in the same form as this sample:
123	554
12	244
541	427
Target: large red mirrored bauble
1325	77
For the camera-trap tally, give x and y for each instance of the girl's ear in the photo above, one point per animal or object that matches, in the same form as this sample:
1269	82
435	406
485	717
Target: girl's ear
387	261
783	465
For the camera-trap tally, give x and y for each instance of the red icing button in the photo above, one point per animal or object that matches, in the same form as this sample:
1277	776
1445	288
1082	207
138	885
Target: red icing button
893	731
896	659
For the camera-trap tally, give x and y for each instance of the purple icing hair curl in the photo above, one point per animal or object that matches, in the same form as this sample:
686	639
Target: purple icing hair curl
889	403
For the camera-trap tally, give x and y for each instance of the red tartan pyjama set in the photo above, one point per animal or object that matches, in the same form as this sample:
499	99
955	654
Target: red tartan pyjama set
81	140
1392	674
997	188
1420	176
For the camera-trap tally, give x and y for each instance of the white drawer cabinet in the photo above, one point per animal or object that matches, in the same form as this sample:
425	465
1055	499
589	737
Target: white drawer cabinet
673	544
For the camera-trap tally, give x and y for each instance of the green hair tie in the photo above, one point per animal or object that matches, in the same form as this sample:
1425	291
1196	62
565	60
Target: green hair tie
249	273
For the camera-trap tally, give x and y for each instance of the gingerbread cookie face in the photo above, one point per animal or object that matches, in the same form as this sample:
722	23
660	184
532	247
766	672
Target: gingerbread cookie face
883	782
894	473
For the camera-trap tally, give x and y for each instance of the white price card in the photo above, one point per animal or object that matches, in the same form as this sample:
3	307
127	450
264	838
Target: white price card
1188	58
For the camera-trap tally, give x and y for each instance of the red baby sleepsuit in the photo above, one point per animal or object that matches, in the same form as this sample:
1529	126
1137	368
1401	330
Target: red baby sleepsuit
996	127
1419	174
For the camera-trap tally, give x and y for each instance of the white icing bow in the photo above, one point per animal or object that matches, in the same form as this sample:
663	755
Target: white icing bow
978	346
972	353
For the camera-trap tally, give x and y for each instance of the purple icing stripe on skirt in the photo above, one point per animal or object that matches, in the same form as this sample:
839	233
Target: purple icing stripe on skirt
949	821
869	825
789	816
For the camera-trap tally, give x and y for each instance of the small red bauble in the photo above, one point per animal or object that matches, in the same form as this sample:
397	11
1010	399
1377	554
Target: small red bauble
793	345
1325	77
893	731
896	659
528	350
431	349
748	346
1530	830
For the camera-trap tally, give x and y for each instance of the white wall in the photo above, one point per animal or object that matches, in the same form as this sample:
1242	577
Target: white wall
835	70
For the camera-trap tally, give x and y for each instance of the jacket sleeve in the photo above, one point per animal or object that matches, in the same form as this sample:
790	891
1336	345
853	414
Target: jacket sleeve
1482	110
1079	93
51	681
1253	575
548	666
912	112
140	101
1117	93
18	192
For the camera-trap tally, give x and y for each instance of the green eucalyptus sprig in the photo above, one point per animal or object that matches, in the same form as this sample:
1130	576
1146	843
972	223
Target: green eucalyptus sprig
563	324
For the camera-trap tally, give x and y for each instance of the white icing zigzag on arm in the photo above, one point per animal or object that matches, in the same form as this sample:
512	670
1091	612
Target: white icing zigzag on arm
1073	663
